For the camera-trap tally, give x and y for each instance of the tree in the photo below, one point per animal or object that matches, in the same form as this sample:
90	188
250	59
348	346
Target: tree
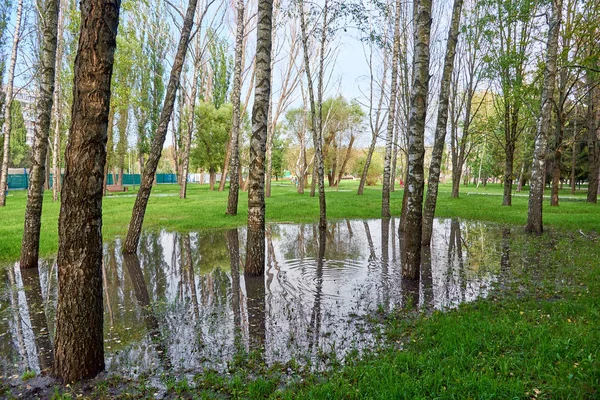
79	340
234	181
416	150
466	104
7	104
212	131
35	194
316	107
509	32
391	123
538	169
57	102
255	245
141	201
441	125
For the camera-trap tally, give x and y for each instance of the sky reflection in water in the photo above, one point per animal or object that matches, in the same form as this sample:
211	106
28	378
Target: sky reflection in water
185	304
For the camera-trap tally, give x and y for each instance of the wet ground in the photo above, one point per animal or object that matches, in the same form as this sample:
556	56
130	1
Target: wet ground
184	304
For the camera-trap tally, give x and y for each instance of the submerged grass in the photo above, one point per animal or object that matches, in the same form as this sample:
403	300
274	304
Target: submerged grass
205	209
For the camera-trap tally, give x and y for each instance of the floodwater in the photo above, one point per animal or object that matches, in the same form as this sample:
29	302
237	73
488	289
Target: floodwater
185	304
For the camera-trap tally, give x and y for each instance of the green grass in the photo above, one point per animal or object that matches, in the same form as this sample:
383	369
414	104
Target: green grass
204	209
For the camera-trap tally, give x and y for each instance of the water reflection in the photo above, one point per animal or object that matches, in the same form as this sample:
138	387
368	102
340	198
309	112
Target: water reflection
186	303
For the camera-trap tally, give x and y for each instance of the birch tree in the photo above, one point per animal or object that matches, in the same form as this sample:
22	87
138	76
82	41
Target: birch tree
538	174
8	103
234	180
416	147
442	122
35	194
255	245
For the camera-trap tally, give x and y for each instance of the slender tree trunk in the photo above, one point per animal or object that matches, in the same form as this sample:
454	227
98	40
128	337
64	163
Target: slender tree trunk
391	123
573	158
593	138
139	209
269	154
394	158
35	193
79	344
538	169
508	174
363	177
345	161
8	105
416	146
190	119
442	122
234	185
255	245
316	120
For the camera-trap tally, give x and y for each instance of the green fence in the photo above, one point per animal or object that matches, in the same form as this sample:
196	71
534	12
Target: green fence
20	181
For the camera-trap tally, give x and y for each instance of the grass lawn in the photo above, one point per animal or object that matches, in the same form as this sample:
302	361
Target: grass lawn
205	209
536	336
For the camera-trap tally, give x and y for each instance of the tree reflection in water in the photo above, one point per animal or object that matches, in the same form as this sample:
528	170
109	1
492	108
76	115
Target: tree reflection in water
185	303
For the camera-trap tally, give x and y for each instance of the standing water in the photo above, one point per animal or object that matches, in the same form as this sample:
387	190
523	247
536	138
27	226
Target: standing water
184	303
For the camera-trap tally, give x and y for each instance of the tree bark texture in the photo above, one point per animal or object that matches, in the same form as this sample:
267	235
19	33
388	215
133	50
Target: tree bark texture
255	250
391	122
234	164
141	201
442	122
8	105
78	345
416	146
35	191
538	168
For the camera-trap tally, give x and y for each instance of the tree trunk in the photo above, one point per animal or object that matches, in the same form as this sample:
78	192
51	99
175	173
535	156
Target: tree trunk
122	145
508	173
255	245
573	159
234	186
442	122
139	208
593	138
363	177
190	120
37	176
538	168
8	105
416	146
79	344
345	161
391	122
56	170
269	153
316	119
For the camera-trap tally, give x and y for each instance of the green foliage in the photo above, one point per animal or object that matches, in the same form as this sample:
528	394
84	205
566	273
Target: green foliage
221	64
375	168
212	129
20	151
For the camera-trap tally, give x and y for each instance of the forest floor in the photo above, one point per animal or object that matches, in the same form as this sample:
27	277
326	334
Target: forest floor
535	336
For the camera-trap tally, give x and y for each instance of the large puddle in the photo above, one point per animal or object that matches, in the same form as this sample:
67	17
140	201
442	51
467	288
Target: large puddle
185	304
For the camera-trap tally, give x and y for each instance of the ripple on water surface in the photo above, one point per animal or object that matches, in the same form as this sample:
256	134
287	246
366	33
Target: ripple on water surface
185	303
